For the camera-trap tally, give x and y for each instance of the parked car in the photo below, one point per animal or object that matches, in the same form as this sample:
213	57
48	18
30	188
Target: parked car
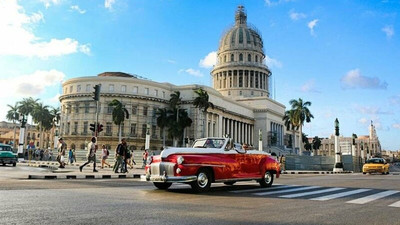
211	160
376	165
7	156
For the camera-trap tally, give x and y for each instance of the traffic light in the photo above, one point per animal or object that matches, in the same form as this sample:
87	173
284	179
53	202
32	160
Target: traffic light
96	93
99	128
93	127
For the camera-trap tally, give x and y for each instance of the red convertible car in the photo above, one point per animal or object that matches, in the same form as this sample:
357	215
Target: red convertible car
211	160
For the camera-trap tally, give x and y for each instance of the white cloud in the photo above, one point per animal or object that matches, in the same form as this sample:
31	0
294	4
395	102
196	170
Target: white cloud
372	110
396	125
363	121
388	30
272	62
395	100
171	61
209	61
108	4
311	25
192	72
17	37
296	16
309	86
48	3
353	79
32	84
276	2
79	10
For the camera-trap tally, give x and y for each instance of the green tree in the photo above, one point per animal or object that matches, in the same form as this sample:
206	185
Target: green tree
25	107
176	127
316	143
306	143
292	124
301	114
174	103
42	117
119	114
13	115
202	102
55	114
162	120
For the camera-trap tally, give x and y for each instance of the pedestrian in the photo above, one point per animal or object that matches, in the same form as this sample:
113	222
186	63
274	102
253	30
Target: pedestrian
129	159
104	156
62	147
91	155
145	155
119	154
41	154
70	155
73	155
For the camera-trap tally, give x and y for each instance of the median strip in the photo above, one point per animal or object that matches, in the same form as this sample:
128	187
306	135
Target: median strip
100	176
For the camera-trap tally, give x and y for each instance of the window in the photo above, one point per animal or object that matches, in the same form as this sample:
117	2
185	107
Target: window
134	110
156	93
88	86
225	58
256	58
87	107
71	88
85	126
153	131
75	127
144	128
65	91
123	88
145	109
249	57
122	129
229	92
163	94
68	109
146	91
67	129
111	87
240	57
109	109
240	93
135	89
232	58
78	88
133	129
108	128
77	108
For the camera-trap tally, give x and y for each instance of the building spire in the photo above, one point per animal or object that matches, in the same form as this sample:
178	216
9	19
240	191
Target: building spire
240	16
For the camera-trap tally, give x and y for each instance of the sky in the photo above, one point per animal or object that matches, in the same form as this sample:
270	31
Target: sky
343	56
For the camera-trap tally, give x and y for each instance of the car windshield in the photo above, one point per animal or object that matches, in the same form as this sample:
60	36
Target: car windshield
209	143
377	161
5	148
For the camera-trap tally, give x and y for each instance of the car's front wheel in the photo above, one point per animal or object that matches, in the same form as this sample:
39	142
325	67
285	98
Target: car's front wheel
14	164
203	181
267	179
162	186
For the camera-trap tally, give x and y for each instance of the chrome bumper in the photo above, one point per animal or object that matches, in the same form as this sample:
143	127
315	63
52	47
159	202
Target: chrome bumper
170	179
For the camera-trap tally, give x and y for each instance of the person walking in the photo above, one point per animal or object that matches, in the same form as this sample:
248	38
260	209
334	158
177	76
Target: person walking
145	155
131	160
92	147
70	154
62	147
119	154
104	156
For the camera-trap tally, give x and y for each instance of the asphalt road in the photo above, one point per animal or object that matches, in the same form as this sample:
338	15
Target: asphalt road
131	201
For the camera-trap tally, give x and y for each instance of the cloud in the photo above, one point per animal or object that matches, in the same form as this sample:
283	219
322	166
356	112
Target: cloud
396	125
388	30
192	72
209	61
171	61
311	25
48	3
372	110
296	16
309	86
79	10
17	37
276	2
363	121
108	4
32	84
395	100
353	79
272	62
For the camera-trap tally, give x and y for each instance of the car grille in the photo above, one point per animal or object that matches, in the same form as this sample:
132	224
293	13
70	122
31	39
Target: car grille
159	168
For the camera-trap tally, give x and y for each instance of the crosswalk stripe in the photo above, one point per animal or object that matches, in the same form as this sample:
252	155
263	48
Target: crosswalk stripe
338	195
396	204
310	193
263	189
287	190
373	197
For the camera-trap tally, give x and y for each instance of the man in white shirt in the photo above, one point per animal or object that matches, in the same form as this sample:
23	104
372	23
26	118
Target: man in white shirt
92	147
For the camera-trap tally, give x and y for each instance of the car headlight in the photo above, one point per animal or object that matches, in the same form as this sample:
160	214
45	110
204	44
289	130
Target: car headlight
180	160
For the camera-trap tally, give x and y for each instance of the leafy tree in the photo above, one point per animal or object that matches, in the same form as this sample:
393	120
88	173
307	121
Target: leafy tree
119	114
292	124
301	114
42	117
316	143
13	115
202	102
162	120
307	144
176	127
25	107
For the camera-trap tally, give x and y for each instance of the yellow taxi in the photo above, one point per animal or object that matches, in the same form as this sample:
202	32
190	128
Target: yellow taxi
376	165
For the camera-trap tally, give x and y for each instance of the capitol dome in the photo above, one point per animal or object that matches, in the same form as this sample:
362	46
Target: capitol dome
240	70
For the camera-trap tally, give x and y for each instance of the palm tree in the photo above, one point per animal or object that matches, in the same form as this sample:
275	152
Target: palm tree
119	114
13	115
162	120
202	102
291	124
302	114
176	100
41	115
176	127
316	143
56	117
25	107
174	103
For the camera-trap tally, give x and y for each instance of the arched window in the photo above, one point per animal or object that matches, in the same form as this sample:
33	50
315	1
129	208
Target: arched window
232	59
225	58
256	58
249	57
240	57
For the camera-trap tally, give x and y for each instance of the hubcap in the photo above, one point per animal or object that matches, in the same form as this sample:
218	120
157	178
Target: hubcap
267	177
202	180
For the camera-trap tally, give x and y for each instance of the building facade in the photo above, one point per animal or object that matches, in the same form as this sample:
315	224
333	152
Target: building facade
32	135
240	94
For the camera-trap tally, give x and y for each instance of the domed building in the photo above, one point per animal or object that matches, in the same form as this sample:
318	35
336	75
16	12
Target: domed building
243	109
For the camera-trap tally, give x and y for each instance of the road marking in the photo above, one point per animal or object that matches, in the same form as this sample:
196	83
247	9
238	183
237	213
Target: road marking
263	189
396	204
310	193
287	190
373	197
338	195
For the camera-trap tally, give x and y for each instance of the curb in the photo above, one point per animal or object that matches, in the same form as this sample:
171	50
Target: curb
314	172
98	176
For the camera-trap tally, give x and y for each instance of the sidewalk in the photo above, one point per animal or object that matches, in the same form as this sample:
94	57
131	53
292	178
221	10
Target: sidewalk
312	172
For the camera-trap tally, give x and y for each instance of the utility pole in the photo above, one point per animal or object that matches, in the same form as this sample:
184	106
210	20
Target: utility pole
338	161
96	97
23	121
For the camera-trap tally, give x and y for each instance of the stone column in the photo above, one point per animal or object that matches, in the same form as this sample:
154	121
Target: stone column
206	125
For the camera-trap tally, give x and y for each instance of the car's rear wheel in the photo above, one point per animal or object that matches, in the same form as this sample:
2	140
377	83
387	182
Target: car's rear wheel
364	173
230	182
14	164
162	186
267	179
203	181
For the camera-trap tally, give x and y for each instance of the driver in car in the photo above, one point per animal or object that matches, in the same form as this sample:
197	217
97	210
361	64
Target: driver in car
210	144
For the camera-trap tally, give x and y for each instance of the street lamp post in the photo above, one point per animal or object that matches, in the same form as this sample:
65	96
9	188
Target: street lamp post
147	143
23	121
338	163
